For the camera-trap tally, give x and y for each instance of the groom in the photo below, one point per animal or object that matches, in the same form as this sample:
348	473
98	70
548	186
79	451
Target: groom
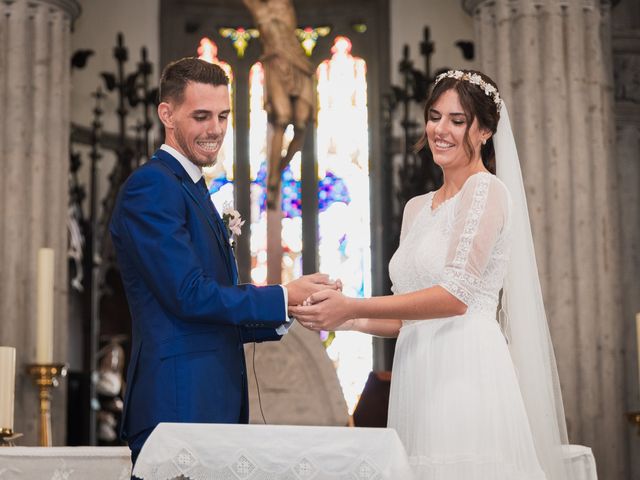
190	318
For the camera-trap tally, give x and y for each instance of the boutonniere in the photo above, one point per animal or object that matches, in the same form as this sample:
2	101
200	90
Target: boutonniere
232	220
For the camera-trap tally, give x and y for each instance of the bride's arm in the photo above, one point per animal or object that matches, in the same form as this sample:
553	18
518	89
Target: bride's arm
329	309
379	327
428	303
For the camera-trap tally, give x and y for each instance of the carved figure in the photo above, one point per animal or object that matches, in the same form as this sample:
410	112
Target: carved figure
288	84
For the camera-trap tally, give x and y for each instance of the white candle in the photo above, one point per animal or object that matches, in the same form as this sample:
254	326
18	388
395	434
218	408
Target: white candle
44	330
7	386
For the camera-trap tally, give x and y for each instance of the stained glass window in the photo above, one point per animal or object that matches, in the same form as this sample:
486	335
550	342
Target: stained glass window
291	207
220	176
239	37
308	37
342	149
344	219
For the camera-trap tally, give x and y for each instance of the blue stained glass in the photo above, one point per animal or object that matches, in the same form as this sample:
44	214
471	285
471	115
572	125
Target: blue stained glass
217	183
331	189
343	245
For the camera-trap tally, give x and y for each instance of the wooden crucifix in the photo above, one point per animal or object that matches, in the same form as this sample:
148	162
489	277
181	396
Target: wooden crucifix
288	101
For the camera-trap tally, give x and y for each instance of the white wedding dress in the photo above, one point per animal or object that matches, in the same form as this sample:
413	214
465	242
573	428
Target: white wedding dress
455	400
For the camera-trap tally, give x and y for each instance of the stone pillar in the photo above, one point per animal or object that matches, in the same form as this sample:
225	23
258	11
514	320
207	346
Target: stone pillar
34	152
551	60
626	65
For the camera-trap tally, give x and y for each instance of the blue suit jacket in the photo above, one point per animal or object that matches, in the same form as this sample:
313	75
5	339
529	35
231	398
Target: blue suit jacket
189	318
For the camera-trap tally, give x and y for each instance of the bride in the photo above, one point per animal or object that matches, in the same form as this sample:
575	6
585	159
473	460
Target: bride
470	400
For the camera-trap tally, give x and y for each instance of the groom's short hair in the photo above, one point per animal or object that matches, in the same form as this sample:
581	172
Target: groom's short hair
177	75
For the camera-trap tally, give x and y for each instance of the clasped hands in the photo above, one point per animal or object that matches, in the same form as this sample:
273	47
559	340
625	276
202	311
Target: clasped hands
318	303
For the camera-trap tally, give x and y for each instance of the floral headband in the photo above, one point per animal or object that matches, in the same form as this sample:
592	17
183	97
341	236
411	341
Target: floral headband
488	89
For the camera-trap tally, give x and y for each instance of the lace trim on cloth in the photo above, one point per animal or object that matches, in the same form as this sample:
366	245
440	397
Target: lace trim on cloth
460	284
473	220
184	465
456	280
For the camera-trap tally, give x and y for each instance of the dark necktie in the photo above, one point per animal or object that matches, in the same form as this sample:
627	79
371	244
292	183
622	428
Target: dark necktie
202	187
222	228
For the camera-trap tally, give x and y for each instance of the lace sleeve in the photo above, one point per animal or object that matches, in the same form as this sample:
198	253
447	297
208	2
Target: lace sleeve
478	219
411	210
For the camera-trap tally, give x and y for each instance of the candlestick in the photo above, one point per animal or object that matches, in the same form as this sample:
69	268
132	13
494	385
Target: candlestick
46	378
8	439
44	330
7	388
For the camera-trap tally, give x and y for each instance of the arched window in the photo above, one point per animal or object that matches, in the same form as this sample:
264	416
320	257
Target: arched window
291	206
220	176
342	149
334	192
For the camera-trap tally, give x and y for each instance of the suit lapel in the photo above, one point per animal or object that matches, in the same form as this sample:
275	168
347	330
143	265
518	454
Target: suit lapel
192	191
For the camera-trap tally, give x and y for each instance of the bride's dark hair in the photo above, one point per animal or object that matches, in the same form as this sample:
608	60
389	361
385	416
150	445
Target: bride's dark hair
476	104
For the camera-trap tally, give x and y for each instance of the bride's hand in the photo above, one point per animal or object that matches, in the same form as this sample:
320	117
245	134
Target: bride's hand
325	310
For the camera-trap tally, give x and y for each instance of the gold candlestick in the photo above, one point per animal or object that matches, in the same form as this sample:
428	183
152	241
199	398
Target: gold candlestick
7	437
634	417
45	377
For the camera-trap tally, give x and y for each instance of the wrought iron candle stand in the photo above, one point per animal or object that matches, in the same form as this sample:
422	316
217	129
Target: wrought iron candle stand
135	101
45	376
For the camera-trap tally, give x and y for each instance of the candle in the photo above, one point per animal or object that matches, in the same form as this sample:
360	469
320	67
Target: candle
44	330
7	386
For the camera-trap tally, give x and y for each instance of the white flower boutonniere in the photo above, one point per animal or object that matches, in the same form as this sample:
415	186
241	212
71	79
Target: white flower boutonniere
232	220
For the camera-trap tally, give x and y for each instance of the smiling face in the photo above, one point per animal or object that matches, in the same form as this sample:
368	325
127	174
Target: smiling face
445	131
196	127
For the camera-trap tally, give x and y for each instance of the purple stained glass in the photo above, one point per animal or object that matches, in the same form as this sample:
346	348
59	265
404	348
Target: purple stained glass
331	189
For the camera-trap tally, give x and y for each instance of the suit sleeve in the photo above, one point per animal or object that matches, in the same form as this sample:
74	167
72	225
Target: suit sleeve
149	229
259	335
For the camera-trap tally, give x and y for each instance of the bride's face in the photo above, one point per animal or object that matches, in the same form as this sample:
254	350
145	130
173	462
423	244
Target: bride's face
446	128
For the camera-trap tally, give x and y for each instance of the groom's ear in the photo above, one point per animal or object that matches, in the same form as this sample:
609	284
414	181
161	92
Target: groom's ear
165	113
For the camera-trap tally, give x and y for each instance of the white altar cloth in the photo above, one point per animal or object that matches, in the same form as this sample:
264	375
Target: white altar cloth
222	451
65	463
580	461
114	463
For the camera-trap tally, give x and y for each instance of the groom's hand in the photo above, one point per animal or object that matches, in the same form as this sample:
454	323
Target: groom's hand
302	288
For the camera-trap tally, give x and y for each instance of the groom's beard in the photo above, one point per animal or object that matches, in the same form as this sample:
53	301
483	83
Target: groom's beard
202	152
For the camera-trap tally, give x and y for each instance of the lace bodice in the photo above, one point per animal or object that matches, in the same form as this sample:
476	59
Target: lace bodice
462	245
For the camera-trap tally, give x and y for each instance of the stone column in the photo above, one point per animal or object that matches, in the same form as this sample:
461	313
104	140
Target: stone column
34	152
626	68
551	60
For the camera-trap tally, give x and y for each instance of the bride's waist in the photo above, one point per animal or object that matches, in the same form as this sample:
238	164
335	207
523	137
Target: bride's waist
469	316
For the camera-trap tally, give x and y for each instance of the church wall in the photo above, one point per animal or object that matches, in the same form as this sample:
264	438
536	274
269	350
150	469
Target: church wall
97	29
34	132
625	20
447	24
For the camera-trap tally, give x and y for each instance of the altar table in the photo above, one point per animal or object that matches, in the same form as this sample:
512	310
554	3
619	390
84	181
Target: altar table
65	463
199	451
302	453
